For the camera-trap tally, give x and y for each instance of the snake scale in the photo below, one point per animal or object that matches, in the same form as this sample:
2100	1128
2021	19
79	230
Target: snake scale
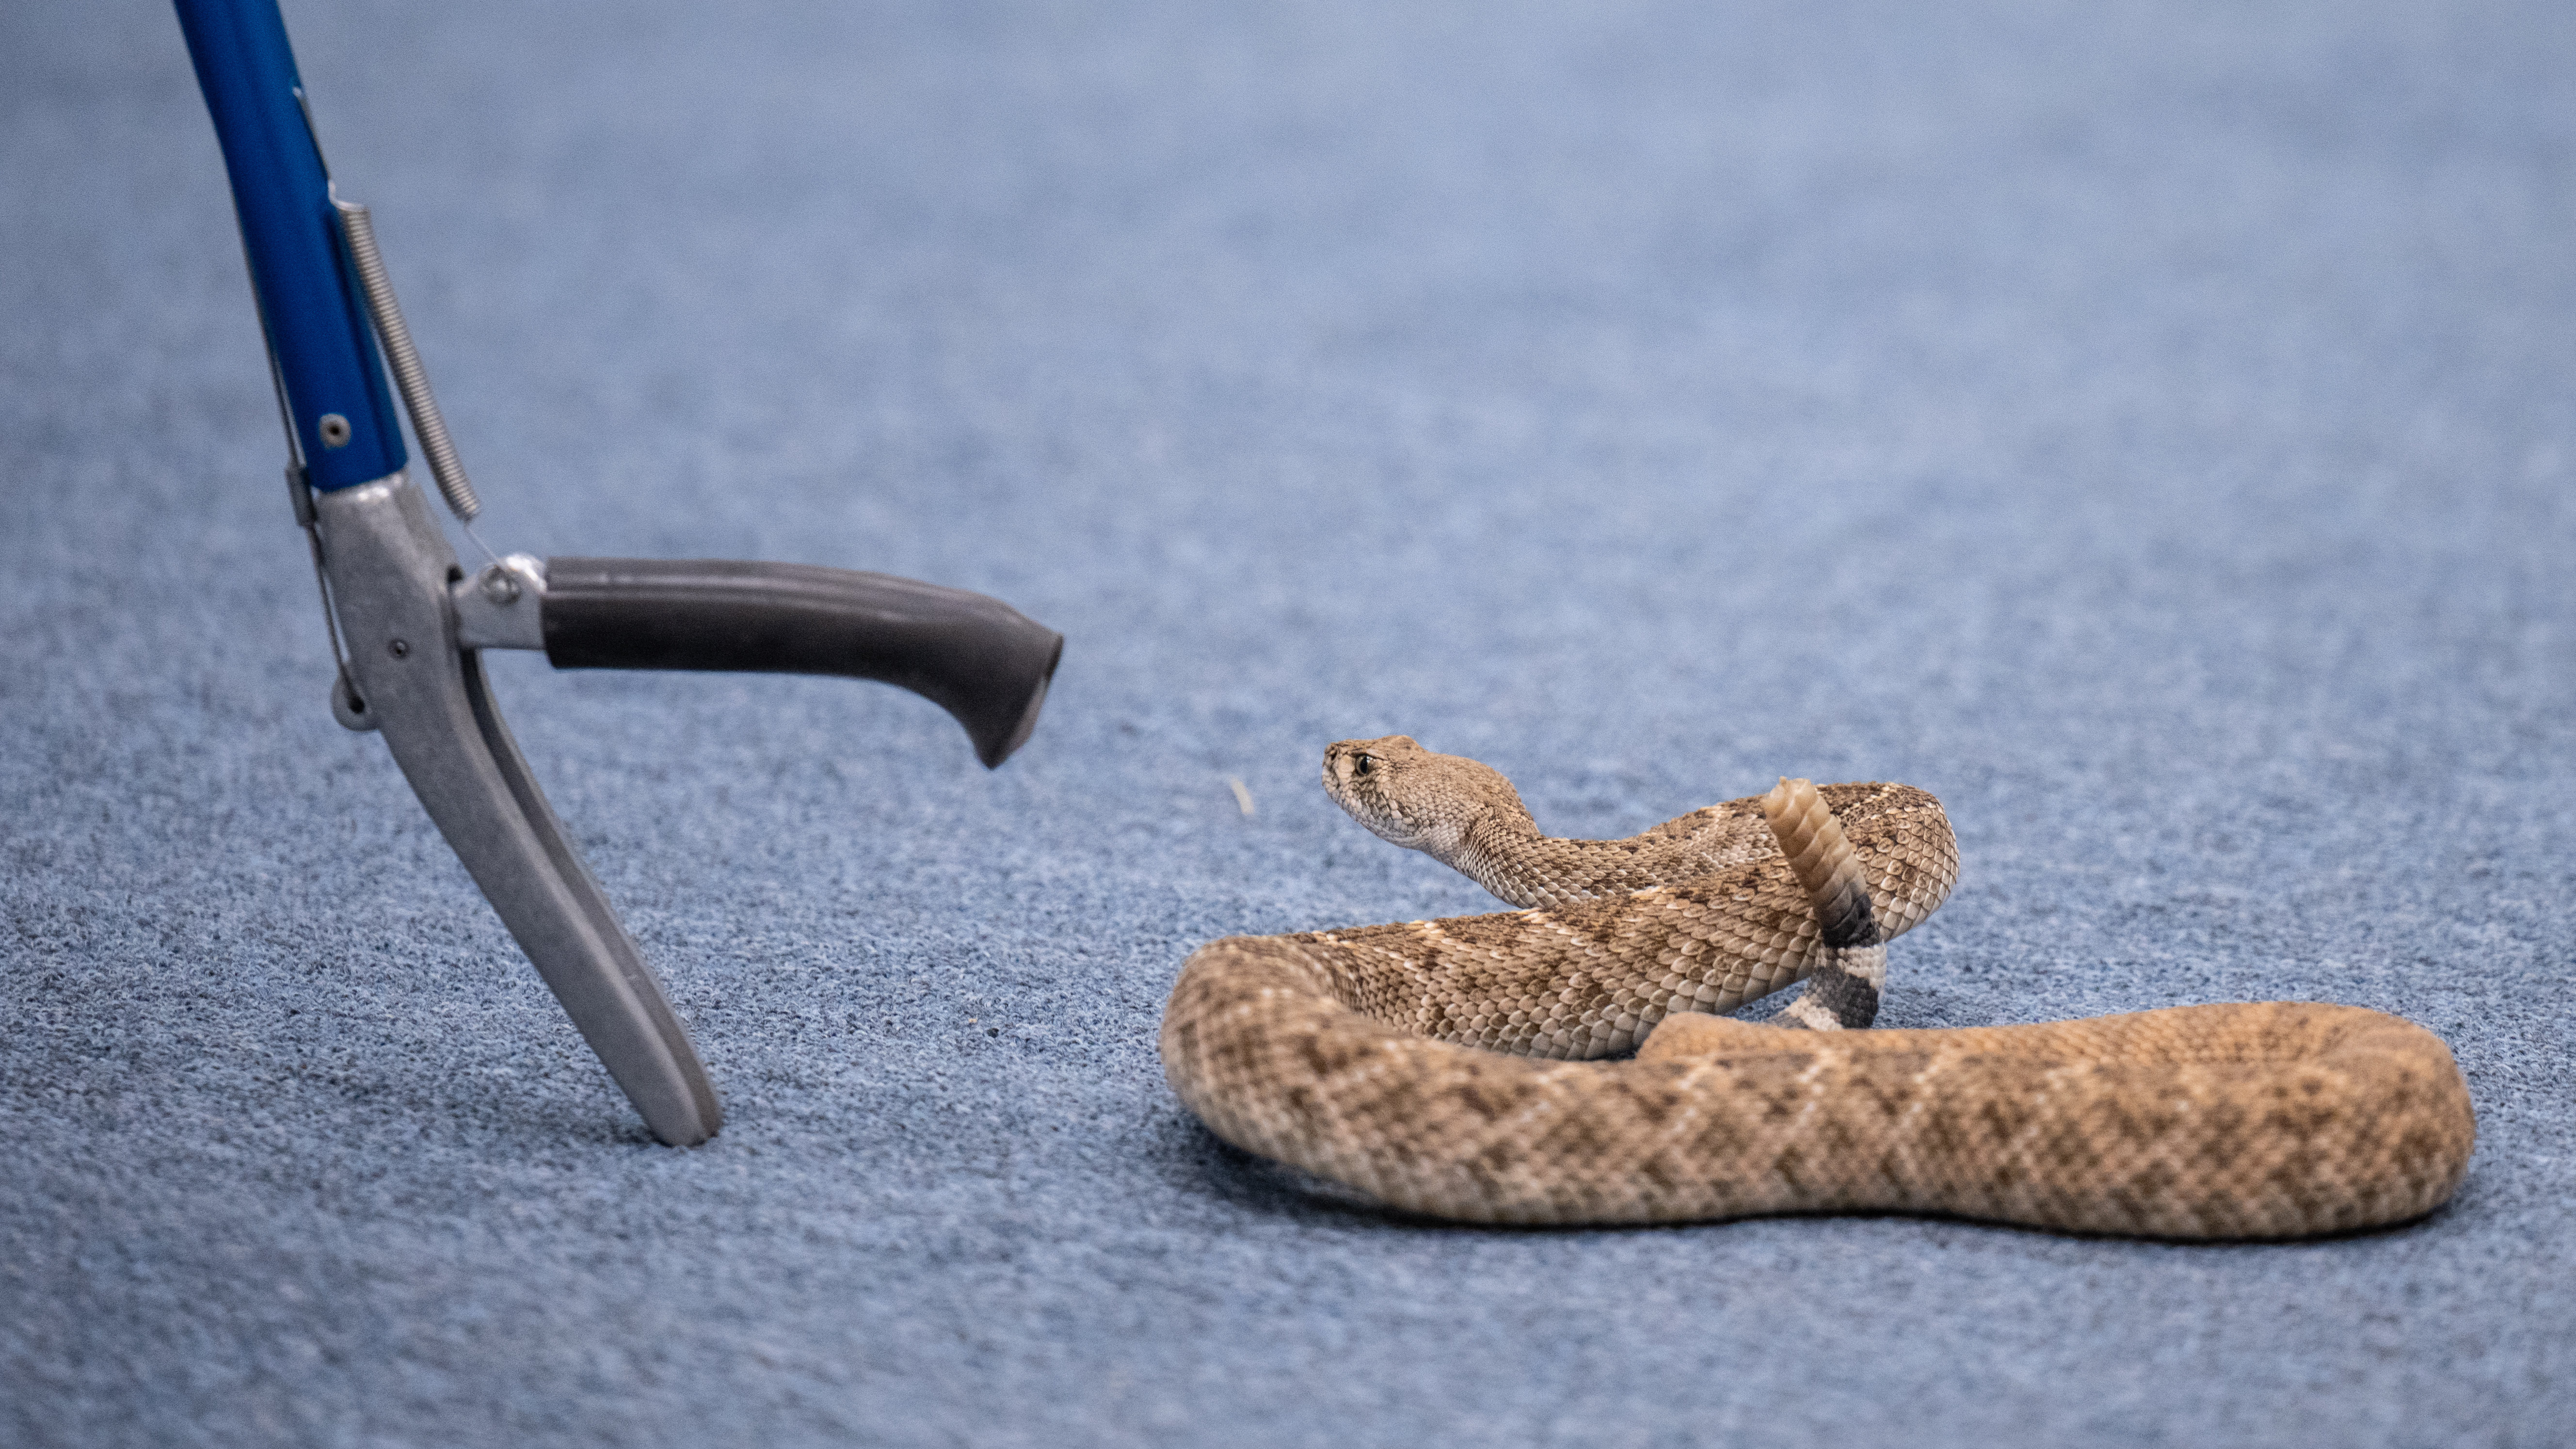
1473	1069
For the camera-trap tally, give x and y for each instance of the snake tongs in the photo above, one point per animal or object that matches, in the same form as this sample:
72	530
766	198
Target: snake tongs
409	623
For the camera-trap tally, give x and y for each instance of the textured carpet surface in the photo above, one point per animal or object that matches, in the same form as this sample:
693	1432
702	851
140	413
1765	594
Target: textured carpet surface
2147	425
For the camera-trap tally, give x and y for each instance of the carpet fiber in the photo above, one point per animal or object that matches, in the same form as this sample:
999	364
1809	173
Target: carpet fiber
2145	425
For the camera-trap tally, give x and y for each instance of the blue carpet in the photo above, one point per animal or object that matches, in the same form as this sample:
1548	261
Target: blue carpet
2146	425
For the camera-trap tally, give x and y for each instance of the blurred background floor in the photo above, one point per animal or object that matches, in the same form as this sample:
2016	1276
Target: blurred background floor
2148	426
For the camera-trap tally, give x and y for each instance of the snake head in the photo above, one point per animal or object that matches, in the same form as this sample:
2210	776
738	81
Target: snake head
1407	795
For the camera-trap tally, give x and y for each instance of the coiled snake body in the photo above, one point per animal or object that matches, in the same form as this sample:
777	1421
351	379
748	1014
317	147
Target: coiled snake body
1454	1067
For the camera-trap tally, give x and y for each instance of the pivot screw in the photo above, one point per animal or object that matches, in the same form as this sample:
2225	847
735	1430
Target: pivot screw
334	430
400	649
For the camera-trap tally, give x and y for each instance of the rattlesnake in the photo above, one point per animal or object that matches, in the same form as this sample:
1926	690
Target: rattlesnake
1413	1061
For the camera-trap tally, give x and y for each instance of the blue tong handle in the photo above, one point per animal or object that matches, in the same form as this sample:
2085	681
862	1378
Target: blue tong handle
337	406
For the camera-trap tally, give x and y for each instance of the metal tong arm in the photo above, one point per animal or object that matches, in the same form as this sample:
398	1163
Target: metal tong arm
410	677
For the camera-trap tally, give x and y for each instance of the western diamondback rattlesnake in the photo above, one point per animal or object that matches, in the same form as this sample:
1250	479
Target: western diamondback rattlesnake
1414	1061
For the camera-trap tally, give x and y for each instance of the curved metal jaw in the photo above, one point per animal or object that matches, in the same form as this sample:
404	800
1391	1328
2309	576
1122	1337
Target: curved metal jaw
391	572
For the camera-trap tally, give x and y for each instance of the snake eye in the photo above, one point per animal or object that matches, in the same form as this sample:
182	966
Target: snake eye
1362	764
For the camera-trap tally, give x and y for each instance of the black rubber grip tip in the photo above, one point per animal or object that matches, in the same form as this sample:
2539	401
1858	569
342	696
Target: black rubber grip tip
983	661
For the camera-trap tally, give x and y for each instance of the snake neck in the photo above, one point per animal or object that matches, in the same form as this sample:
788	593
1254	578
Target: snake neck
1502	849
1466	815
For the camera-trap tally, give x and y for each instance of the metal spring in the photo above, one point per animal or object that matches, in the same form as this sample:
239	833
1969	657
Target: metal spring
410	378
